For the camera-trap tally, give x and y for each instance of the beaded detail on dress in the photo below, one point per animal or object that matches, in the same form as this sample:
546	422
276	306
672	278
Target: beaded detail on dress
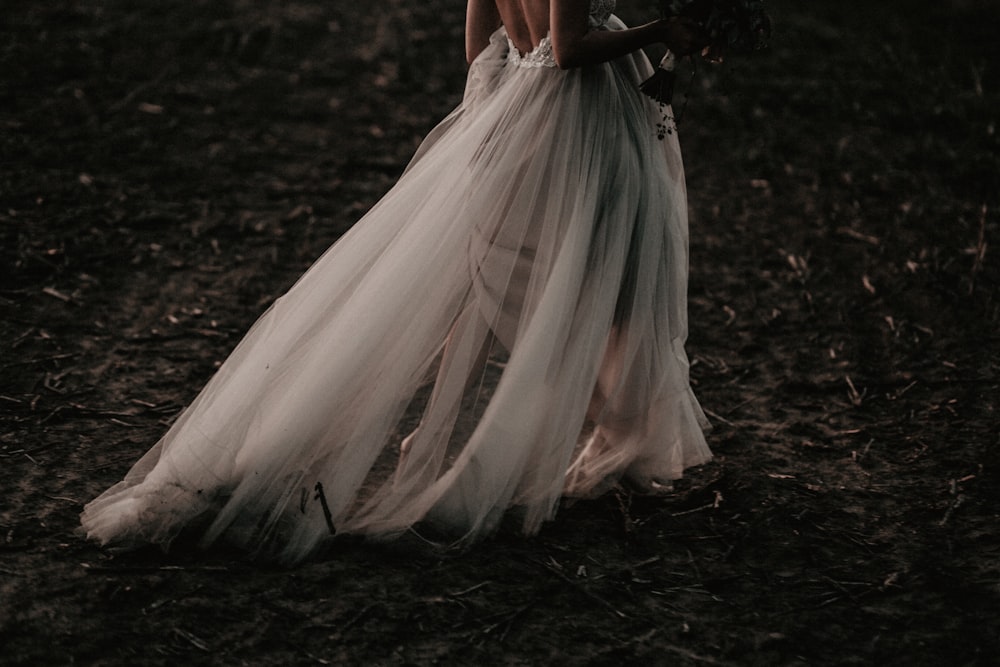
600	11
541	55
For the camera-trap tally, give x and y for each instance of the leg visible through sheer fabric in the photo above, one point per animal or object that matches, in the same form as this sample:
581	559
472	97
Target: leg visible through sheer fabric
617	417
463	360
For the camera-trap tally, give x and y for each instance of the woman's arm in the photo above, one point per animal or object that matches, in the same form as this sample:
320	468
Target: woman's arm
481	20
574	44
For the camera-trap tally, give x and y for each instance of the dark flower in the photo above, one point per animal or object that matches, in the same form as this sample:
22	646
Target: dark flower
732	26
738	26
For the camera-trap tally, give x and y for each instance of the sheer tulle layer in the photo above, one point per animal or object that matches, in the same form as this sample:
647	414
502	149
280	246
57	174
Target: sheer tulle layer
541	222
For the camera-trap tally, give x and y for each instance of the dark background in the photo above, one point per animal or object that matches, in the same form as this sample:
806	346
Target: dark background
169	168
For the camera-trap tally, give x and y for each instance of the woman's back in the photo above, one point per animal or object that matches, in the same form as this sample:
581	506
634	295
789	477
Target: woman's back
570	25
526	21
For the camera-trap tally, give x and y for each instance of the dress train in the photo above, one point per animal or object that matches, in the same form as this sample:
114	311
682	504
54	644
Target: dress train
542	222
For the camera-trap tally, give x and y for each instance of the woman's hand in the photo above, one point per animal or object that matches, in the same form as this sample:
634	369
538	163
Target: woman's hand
682	35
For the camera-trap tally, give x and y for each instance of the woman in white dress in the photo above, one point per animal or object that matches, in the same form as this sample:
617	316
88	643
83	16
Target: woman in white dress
538	235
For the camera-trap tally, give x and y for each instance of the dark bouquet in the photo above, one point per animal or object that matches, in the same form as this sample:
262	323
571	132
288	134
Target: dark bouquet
732	26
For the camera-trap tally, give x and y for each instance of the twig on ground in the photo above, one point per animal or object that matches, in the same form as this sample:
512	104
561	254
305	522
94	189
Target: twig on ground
644	563
136	569
690	655
142	87
357	618
49	383
470	589
714	505
716	415
38	360
576	585
321	497
856	456
859	236
692	511
64	499
958	502
840	587
194	640
852	392
56	294
979	252
507	619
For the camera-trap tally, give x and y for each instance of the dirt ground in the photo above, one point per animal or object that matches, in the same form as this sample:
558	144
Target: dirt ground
170	168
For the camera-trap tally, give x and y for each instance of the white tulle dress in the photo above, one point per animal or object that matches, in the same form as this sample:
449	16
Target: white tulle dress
542	221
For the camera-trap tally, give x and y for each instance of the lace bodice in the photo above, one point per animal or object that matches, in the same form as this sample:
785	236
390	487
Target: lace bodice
600	11
541	55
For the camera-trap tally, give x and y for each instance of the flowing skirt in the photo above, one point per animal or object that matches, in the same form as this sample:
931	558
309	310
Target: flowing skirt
522	286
